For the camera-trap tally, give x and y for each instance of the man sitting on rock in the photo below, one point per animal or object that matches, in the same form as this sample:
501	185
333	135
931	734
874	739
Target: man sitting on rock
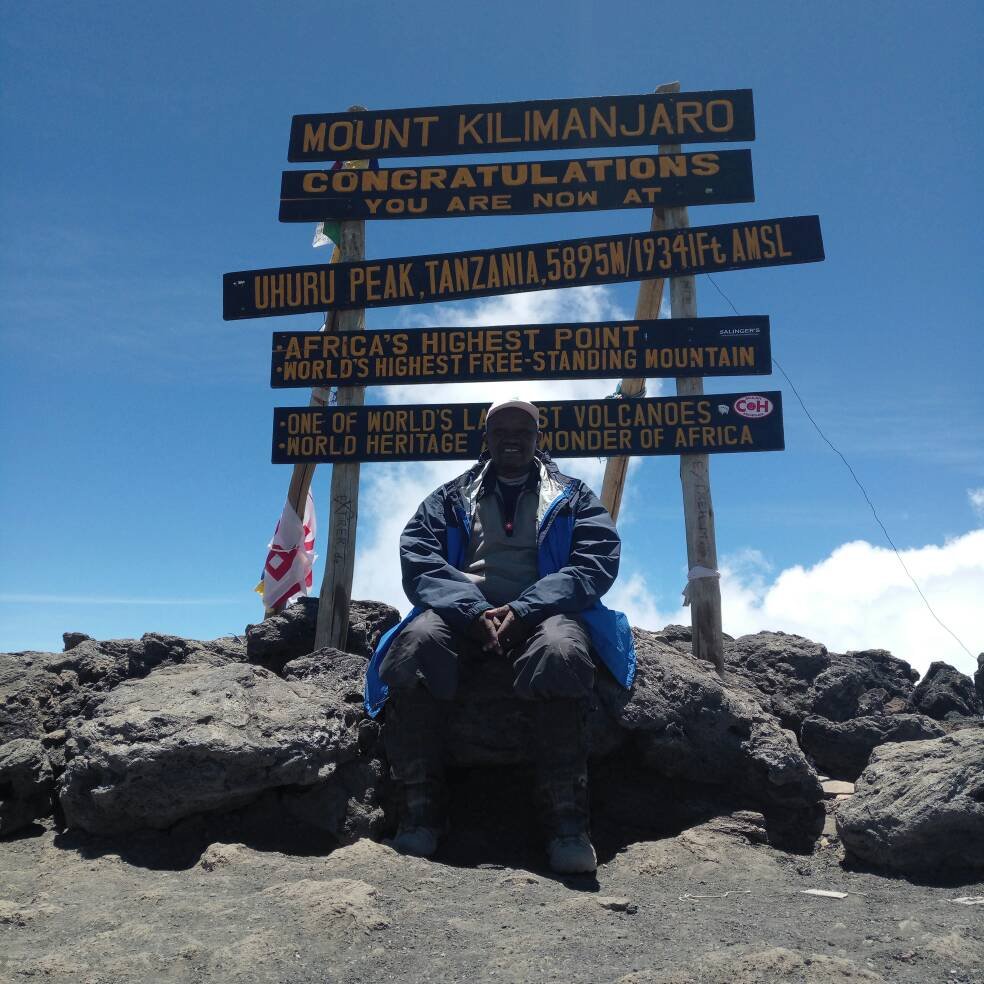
509	560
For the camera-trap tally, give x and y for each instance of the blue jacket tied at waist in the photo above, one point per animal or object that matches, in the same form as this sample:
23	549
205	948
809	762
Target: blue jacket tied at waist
577	558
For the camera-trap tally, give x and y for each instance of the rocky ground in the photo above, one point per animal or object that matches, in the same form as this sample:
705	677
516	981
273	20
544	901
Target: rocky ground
709	904
217	811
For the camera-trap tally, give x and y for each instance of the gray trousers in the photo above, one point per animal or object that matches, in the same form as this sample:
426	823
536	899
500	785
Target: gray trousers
554	662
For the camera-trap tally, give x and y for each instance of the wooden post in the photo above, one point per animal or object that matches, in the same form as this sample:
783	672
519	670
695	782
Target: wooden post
698	511
336	587
647	307
704	592
648	301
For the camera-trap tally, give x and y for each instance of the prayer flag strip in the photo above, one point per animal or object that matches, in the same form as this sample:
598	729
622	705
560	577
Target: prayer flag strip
738	346
706	424
542	124
507	270
518	188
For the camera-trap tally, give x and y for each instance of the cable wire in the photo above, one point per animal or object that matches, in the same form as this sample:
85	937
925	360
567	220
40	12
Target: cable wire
857	481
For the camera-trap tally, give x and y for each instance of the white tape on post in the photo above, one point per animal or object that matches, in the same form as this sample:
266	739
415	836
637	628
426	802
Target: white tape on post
694	574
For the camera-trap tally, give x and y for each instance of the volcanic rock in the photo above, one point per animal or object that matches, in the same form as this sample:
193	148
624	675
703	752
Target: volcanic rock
687	724
40	692
918	807
289	635
794	678
945	690
71	639
194	738
842	748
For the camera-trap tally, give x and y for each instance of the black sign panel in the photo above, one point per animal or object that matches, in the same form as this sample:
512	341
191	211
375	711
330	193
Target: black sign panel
585	350
711	423
518	188
510	269
544	124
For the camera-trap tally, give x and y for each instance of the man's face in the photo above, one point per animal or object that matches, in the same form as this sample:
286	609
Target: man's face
511	436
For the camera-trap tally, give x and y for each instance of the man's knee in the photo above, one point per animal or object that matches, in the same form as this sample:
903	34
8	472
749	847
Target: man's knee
422	652
557	663
427	630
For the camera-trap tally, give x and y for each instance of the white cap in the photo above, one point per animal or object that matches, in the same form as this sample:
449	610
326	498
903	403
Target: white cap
513	405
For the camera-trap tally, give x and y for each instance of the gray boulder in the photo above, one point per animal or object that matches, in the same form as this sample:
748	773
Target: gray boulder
865	682
793	678
841	749
41	692
71	639
289	635
979	677
25	784
918	808
191	738
944	691
194	738
687	724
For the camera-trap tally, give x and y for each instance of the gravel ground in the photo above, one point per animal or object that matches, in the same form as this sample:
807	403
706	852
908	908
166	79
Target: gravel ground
710	903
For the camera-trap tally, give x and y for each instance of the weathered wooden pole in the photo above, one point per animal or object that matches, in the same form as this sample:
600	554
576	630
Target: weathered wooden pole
703	581
703	584
647	307
648	302
336	587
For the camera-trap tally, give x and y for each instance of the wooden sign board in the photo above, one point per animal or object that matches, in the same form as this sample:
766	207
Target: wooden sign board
510	269
518	188
586	350
705	424
543	124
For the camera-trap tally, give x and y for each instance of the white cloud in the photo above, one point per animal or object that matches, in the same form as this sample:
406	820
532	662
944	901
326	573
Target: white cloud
631	595
976	497
857	598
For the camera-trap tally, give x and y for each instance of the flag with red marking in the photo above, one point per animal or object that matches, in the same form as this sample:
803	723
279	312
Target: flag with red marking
287	573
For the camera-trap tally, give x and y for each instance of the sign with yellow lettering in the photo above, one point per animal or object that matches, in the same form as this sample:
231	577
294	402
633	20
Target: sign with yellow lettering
518	188
510	269
587	350
706	424
543	124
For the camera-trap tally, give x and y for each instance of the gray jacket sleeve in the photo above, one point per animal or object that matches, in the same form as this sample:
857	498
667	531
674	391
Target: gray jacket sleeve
428	579
589	572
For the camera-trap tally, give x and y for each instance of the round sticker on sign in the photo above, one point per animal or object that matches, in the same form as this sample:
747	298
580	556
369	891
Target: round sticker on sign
753	406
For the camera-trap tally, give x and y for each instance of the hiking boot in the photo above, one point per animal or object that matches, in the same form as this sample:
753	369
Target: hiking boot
560	749
414	737
419	842
572	854
424	820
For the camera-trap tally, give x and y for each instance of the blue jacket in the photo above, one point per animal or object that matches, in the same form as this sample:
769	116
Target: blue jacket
577	555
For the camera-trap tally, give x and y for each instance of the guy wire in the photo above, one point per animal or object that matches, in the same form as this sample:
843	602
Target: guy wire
857	482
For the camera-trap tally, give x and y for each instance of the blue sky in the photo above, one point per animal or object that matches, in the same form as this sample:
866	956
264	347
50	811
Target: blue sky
142	149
